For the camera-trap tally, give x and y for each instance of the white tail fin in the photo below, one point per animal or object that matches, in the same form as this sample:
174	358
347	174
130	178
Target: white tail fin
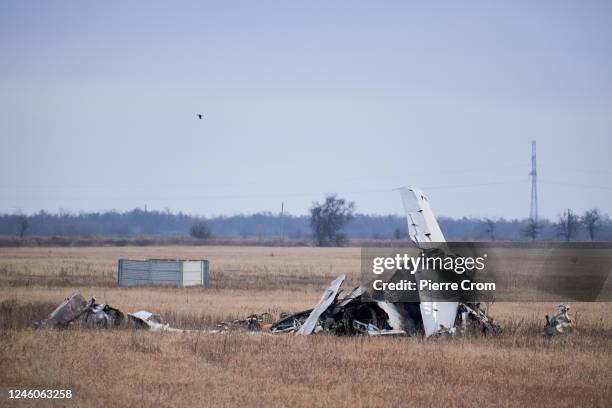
422	224
425	231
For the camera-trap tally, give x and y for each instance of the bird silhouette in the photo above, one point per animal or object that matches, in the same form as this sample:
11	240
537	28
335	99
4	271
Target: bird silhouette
200	116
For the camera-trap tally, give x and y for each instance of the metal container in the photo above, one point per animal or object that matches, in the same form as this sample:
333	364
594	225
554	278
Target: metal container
175	272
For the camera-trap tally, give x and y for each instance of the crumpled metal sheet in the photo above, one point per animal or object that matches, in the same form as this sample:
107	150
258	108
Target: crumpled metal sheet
350	315
101	316
69	310
346	316
290	323
560	323
396	319
88	313
472	317
326	300
354	315
372	330
144	319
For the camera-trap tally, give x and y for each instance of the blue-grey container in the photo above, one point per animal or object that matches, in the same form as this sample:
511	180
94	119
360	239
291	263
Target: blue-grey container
175	272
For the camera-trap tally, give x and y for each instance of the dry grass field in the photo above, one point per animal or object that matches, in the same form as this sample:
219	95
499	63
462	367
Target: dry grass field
124	367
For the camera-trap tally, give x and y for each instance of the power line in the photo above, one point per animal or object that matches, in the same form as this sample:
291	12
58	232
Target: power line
576	185
494	183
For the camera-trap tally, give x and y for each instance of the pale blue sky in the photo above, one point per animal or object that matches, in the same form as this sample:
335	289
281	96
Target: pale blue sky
98	104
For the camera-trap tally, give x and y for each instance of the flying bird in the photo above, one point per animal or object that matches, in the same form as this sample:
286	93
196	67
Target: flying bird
200	116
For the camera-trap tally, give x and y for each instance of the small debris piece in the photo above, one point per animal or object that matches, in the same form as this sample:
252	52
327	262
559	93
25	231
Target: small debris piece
471	318
444	332
560	323
252	323
372	330
152	322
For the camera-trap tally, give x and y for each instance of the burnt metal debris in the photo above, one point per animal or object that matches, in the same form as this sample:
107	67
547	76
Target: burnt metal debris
346	316
329	296
68	311
75	311
559	324
471	317
353	315
87	314
100	316
254	322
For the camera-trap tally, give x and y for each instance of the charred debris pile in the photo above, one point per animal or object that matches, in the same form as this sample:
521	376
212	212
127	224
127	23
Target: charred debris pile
335	315
352	315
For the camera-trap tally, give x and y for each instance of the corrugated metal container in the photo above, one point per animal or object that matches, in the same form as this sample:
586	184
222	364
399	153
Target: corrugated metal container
163	272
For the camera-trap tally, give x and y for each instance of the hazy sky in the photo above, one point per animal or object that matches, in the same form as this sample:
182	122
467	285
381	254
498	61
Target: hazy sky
98	103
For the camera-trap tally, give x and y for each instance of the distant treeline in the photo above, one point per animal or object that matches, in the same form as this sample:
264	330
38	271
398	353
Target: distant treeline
266	225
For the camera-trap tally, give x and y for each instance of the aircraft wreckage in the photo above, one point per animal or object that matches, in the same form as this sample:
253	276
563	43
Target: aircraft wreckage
345	316
88	314
353	314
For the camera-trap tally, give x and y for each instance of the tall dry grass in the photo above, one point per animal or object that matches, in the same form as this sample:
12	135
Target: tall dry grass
127	368
124	367
231	267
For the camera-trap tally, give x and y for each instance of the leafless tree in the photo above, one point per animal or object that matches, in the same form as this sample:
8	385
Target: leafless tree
399	234
23	222
489	226
592	222
200	230
568	225
532	230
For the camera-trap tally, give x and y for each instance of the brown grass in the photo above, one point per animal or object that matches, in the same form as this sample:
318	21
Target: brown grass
127	368
231	267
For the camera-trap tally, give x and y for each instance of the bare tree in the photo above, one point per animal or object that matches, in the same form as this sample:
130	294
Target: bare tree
399	234
532	230
592	222
200	230
489	227
23	222
568	225
328	218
